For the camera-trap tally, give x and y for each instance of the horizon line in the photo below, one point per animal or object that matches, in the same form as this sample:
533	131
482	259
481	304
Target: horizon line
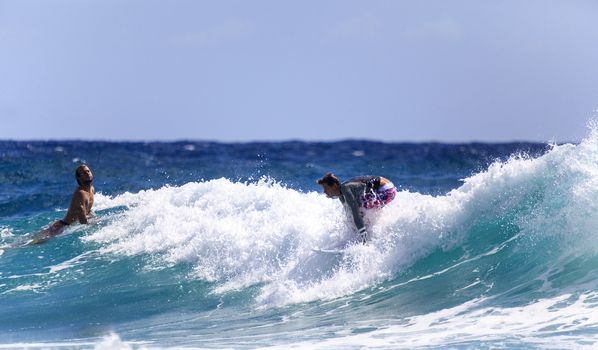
290	140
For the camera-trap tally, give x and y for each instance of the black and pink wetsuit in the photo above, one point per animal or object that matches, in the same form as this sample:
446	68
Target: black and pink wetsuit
365	192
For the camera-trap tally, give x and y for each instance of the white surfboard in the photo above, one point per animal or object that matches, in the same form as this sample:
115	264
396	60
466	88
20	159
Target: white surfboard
328	251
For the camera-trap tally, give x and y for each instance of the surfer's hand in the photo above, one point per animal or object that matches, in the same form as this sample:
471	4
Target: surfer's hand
362	233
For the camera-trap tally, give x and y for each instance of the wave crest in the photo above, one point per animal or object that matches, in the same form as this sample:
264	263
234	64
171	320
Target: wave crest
237	235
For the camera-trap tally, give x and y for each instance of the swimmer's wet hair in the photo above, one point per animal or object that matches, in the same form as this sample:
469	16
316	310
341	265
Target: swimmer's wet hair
329	179
77	172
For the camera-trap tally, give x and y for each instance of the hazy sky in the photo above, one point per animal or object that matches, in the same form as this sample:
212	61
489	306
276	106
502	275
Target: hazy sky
315	70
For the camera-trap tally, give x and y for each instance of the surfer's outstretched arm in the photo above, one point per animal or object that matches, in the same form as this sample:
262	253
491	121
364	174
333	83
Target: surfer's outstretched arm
351	192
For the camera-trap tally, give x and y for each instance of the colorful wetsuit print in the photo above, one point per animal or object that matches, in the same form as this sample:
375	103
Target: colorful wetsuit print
373	198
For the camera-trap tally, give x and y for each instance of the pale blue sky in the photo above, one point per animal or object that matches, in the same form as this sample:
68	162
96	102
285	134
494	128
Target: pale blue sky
244	70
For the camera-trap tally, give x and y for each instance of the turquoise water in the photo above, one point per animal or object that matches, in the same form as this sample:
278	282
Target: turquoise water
211	245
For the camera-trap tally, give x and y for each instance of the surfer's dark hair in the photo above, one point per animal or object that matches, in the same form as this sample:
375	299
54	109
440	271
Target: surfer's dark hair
77	172
329	179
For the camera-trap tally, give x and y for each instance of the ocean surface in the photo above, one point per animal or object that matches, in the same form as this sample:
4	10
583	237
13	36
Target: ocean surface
211	245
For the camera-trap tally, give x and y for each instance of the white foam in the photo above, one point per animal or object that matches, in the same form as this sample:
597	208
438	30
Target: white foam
79	259
113	342
24	288
6	238
6	232
230	231
109	342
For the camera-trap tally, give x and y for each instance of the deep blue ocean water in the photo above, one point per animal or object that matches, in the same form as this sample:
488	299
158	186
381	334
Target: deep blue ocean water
211	245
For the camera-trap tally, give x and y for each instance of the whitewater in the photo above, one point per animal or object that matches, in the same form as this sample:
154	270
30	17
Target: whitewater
507	257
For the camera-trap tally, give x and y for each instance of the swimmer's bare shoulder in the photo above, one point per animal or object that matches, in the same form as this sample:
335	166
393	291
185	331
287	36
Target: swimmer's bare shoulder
80	206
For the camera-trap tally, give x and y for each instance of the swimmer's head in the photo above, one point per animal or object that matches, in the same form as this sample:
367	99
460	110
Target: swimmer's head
83	175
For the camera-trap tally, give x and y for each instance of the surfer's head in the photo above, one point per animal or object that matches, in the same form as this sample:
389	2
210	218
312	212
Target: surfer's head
83	175
331	185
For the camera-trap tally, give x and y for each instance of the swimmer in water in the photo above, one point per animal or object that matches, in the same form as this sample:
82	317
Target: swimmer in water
79	209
